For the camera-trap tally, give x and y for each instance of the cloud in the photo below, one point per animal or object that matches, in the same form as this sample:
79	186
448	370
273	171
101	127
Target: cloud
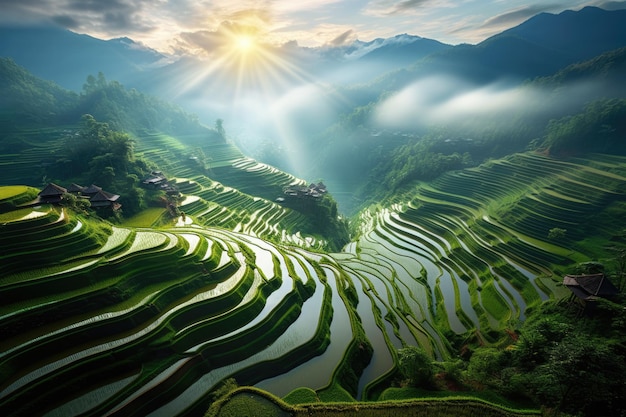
345	38
612	5
250	17
392	7
103	7
204	40
442	100
515	16
93	16
23	12
66	21
312	23
252	23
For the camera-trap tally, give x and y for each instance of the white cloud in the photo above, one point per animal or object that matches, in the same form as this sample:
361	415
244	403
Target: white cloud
441	100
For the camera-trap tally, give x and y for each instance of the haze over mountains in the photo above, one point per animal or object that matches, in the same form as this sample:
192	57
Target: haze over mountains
540	46
307	109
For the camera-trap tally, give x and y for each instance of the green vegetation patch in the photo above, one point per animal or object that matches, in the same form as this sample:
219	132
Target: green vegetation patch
251	402
301	396
457	407
145	218
334	393
493	302
9	191
246	404
12	196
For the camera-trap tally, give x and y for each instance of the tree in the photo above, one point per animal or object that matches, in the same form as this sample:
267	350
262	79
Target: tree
107	176
134	200
574	364
556	233
98	146
581	373
620	263
536	340
90	86
416	365
485	366
219	128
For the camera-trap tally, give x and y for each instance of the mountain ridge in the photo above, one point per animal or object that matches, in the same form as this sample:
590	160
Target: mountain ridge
603	31
56	54
561	39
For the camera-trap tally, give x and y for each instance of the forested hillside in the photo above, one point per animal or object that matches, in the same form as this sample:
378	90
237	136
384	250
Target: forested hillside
134	320
115	138
528	119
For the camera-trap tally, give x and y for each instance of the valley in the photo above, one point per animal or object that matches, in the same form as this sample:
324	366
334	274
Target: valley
367	228
445	259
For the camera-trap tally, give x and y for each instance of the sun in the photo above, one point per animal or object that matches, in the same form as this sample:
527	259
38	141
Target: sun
245	43
244	58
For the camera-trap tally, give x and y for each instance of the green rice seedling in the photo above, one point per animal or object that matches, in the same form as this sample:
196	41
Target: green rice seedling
143	241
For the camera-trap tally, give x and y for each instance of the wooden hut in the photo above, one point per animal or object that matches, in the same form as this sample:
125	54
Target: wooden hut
589	288
52	193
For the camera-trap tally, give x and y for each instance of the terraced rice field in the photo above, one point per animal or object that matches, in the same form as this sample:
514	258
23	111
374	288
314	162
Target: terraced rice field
36	148
227	190
149	321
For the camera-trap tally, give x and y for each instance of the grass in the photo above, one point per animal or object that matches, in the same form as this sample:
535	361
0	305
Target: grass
493	302
9	191
146	218
12	196
21	214
183	295
250	405
334	393
301	396
247	402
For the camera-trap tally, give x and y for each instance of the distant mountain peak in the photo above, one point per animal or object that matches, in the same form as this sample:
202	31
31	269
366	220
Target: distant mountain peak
125	40
405	37
579	34
128	43
360	49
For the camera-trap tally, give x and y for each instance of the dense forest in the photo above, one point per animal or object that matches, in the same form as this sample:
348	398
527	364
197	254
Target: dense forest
44	102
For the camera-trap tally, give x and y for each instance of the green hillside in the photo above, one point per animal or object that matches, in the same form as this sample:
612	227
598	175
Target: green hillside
99	317
115	137
450	288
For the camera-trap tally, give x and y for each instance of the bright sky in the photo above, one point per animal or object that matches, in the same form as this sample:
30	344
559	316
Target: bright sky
196	26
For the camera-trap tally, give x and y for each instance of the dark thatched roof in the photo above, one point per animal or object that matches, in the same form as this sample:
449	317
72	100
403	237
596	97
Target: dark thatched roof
102	198
75	188
590	287
52	190
92	190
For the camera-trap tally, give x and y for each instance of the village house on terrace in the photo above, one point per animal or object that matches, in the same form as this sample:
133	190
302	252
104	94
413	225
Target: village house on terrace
302	191
589	288
158	181
98	198
52	193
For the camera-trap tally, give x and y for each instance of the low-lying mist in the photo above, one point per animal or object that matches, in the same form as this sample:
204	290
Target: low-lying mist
328	126
449	101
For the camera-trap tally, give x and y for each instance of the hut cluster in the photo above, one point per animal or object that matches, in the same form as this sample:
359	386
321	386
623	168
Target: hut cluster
302	191
97	197
157	181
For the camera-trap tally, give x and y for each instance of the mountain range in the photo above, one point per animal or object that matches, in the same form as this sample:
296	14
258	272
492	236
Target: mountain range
546	68
540	46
